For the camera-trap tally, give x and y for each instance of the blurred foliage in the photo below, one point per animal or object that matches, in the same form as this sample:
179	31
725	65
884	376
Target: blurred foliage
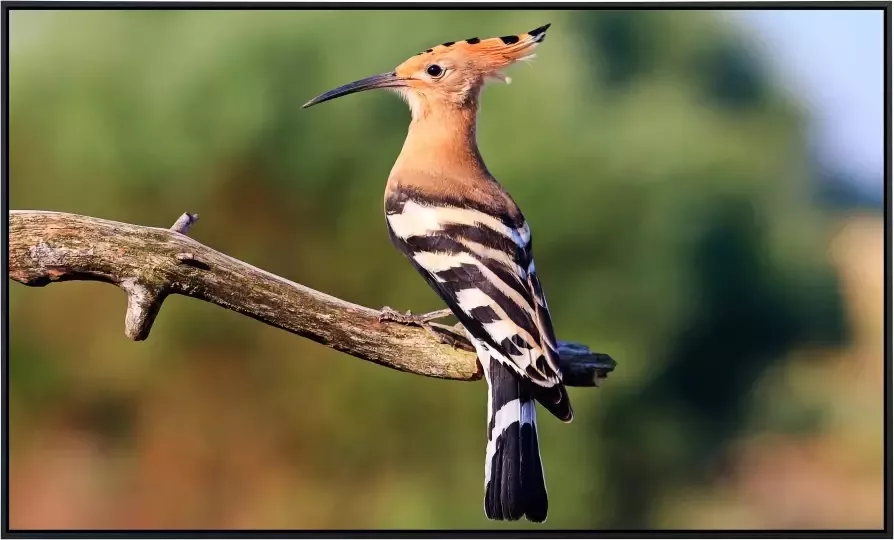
667	183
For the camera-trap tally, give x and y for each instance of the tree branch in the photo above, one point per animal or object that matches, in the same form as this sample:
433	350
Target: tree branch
149	263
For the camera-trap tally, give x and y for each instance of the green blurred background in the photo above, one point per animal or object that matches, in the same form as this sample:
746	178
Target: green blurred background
681	223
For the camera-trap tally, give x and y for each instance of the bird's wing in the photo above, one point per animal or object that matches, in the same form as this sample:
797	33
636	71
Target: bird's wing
481	266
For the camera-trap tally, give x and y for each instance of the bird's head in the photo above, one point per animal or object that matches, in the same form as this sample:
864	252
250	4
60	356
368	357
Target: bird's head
450	74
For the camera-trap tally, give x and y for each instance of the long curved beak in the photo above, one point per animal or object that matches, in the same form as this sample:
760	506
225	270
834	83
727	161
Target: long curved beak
382	80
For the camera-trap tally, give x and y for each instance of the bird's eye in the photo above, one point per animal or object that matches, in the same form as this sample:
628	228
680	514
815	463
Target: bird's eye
434	70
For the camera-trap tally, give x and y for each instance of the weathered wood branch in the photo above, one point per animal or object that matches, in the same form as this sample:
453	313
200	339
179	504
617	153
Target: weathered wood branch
149	263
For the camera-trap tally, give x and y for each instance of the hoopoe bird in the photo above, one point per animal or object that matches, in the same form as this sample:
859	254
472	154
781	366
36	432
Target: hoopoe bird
463	232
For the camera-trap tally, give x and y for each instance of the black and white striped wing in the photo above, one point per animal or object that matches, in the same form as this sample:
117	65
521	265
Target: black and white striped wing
481	266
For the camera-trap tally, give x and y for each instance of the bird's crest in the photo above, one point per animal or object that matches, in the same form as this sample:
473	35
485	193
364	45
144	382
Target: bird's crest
504	49
489	55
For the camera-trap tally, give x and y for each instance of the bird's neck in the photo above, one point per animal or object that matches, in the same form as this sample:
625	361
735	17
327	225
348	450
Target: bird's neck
443	140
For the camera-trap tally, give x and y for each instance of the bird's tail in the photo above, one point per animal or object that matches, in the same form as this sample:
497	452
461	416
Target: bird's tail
514	483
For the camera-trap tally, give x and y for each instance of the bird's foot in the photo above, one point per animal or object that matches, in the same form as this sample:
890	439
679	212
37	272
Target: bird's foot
389	314
445	338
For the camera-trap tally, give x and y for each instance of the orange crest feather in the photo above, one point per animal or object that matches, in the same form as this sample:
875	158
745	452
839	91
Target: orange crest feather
488	55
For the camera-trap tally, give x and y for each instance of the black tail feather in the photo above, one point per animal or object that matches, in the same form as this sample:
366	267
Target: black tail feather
536	504
514	483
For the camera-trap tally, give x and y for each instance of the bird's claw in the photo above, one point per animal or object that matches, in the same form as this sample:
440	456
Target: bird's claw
432	315
442	337
390	314
446	339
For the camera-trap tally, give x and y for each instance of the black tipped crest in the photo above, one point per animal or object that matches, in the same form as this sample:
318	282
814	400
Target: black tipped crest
473	41
509	40
448	43
537	31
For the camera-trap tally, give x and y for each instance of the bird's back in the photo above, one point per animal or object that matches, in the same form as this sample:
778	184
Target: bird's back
470	241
